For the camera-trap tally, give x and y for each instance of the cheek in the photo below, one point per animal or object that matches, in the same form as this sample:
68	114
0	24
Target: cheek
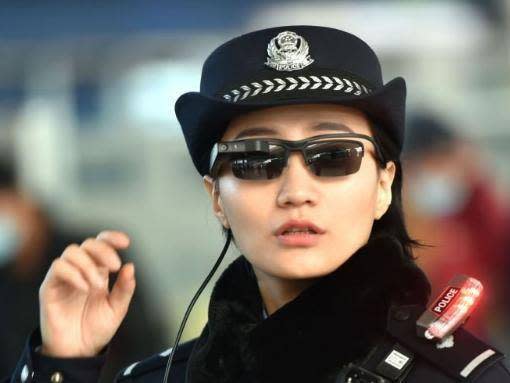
352	209
350	212
248	209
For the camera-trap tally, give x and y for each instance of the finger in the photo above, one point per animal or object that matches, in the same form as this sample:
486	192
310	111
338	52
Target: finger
123	290
117	239
63	271
102	253
79	258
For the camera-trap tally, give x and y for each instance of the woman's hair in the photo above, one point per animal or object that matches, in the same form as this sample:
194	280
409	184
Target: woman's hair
392	223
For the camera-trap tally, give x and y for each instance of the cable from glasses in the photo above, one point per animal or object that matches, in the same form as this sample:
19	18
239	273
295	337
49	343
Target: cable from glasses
190	307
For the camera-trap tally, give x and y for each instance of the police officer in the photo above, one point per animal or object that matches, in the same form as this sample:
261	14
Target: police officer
326	289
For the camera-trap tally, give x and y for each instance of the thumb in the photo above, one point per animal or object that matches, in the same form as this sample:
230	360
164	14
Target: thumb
123	290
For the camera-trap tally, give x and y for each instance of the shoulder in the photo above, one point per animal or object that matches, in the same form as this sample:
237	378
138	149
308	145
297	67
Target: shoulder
461	357
152	369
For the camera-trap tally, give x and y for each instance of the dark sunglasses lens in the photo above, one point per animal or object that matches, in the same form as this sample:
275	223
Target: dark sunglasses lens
332	159
260	166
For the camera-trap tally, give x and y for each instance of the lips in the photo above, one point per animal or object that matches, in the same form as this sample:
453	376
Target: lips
299	224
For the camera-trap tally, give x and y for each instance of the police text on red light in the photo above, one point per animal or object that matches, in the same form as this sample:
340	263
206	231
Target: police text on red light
445	300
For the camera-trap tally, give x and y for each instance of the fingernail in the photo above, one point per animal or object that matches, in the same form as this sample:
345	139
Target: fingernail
101	235
126	240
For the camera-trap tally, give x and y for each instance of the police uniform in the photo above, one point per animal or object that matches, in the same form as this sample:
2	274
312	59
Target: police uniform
356	324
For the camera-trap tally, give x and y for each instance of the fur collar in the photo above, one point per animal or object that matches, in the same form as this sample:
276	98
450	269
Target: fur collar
333	322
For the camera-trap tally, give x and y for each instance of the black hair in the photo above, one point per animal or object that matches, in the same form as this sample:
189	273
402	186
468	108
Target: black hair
392	223
8	172
427	132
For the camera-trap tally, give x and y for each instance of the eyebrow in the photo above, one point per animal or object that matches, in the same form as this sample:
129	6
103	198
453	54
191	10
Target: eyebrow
321	126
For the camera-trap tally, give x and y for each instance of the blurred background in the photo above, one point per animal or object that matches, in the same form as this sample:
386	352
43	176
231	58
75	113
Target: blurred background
89	141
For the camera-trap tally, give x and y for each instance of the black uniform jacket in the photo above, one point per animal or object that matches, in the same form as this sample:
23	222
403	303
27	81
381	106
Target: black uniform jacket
357	324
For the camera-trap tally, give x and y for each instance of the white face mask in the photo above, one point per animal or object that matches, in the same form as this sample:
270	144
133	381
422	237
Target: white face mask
438	194
10	239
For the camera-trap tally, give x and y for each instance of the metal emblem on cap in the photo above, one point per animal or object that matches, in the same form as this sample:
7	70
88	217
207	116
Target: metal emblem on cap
288	51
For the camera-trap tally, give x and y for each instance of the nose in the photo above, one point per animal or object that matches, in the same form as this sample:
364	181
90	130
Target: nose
298	185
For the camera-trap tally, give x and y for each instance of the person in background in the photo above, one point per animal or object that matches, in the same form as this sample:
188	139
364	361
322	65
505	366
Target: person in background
29	241
452	204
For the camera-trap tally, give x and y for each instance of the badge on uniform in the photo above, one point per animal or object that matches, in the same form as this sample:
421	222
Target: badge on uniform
287	52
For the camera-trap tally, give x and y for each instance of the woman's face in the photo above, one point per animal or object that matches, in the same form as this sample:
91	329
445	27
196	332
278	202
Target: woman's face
344	207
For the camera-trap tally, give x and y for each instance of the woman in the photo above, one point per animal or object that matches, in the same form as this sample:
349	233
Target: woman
298	143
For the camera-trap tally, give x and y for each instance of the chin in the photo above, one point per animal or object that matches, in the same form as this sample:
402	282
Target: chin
305	265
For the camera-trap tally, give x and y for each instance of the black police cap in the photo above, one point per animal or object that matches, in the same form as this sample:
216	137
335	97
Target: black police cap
283	66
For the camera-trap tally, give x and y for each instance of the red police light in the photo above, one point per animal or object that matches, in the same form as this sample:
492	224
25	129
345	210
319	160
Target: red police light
451	309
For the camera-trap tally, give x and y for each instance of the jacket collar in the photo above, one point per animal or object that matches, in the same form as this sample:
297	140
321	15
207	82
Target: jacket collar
333	322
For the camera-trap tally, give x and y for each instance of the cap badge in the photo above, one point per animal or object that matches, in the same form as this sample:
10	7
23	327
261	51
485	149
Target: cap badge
288	51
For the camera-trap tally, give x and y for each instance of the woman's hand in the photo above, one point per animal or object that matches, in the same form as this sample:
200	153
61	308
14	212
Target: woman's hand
78	313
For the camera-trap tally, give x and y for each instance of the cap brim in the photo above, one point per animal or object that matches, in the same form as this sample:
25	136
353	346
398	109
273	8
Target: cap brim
204	119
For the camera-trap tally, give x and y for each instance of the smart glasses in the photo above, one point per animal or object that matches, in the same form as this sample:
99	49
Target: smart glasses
327	155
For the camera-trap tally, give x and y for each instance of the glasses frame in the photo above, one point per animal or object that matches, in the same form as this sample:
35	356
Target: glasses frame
222	151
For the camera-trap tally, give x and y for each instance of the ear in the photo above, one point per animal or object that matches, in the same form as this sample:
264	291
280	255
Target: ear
212	189
384	194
